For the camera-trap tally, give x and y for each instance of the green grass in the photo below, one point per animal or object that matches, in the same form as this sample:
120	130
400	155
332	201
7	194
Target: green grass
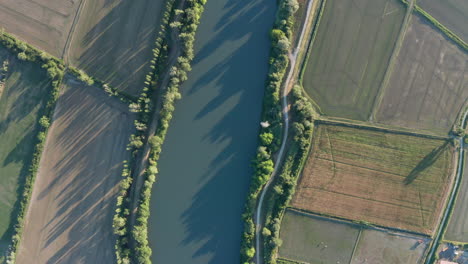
24	96
316	240
350	54
453	14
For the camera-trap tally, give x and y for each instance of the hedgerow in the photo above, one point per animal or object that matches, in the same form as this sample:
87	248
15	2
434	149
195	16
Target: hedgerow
144	107
186	26
55	71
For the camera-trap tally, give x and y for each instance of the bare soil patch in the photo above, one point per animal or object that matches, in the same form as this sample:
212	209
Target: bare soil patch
388	179
69	219
429	83
42	23
113	40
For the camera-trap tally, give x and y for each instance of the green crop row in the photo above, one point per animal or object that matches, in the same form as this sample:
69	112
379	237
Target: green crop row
55	71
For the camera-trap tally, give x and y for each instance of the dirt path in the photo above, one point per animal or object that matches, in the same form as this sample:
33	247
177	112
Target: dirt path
141	162
289	83
69	40
393	60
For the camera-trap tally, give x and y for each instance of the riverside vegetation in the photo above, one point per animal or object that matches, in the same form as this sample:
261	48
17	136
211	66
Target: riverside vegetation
270	137
186	26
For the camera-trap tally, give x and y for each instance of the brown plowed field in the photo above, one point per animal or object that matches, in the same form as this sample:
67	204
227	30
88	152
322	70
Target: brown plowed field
42	23
429	83
393	180
69	219
113	40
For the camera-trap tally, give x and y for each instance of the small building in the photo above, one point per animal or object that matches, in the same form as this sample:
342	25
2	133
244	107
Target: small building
446	262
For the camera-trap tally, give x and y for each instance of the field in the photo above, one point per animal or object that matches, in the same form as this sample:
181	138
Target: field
451	13
113	41
388	179
109	39
457	229
43	23
429	83
350	53
314	239
22	98
380	246
69	219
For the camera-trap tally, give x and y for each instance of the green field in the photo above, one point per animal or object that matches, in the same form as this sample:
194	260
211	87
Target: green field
21	99
313	239
350	53
451	13
316	240
457	229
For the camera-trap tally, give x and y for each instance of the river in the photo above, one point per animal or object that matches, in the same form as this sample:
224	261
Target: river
204	169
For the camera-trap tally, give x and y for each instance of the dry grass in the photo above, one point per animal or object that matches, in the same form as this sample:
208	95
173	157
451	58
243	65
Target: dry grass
69	219
387	179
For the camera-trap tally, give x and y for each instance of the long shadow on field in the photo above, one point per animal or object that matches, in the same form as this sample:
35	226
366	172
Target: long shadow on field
117	48
83	158
425	163
214	216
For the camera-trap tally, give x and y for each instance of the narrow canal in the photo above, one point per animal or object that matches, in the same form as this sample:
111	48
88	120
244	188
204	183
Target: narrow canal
204	169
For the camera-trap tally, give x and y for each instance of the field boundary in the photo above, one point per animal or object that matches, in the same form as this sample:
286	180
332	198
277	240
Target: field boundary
392	61
55	72
378	128
450	203
357	224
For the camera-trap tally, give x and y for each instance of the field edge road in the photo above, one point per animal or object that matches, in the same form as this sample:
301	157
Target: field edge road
285	113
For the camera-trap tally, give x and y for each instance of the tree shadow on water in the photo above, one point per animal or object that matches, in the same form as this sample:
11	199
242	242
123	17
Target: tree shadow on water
214	216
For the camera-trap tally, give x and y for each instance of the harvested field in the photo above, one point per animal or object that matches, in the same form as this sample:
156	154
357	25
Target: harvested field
451	13
429	83
380	246
23	95
43	23
457	229
314	239
113	40
69	219
350	53
388	179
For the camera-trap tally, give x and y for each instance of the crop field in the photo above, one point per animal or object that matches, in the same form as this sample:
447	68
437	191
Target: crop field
69	219
350	53
22	97
429	83
43	23
451	13
313	239
380	246
113	40
457	229
316	240
388	179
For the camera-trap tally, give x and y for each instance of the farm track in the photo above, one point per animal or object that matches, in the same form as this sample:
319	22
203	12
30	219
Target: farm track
445	218
138	174
69	40
392	61
285	111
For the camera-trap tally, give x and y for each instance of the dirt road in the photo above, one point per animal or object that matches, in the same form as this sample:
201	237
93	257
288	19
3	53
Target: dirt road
285	111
